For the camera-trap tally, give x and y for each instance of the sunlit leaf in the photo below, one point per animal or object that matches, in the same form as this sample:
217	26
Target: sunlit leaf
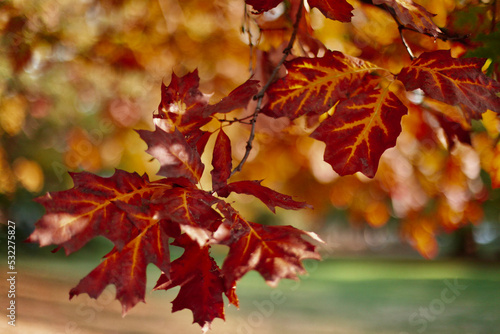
314	85
360	131
275	252
453	81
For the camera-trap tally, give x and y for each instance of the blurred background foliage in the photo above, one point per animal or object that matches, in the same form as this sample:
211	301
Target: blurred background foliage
77	77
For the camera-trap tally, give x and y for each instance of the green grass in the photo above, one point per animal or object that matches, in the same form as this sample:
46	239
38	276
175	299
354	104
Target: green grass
347	296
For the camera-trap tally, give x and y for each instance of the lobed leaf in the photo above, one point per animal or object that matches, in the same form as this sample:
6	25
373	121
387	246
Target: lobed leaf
221	161
333	9
182	104
260	6
177	158
75	216
275	252
268	196
191	208
360	130
185	107
126	268
413	15
314	85
453	81
201	283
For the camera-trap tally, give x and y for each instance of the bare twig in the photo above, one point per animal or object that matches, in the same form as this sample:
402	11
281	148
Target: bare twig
245	28
408	49
494	16
260	95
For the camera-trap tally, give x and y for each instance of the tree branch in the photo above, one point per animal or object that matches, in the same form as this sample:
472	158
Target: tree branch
260	95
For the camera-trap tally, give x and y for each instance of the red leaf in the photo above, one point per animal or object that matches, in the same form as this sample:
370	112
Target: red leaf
191	209
184	107
201	282
268	196
126	269
237	99
412	15
453	81
360	130
75	216
275	252
177	158
314	85
222	161
182	104
333	9
260	6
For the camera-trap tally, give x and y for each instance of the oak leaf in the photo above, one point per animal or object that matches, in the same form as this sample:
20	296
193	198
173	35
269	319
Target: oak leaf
453	81
275	252
185	107
360	130
222	161
412	15
177	158
334	9
201	283
269	197
75	216
260	6
314	85
126	269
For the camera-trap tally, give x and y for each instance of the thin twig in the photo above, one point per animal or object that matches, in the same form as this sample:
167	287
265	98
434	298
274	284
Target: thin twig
494	18
408	49
260	95
245	28
236	120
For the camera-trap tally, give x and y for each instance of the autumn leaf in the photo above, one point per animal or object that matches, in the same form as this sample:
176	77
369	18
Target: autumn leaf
237	99
177	158
453	81
75	216
222	161
191	208
260	6
268	196
360	130
201	283
275	252
334	9
182	103
185	107
126	268
412	15
314	85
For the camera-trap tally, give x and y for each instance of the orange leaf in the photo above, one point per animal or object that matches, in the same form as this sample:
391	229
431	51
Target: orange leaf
314	85
360	130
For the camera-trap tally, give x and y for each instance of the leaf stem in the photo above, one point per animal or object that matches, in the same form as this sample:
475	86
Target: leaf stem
494	16
260	95
408	49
